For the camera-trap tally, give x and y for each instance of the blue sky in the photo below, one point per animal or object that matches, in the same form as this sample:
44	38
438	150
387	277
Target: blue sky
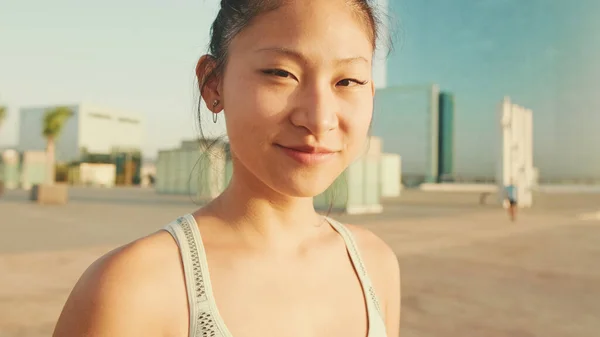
140	56
130	55
542	53
134	55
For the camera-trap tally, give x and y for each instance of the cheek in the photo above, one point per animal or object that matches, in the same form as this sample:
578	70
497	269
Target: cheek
356	122
252	113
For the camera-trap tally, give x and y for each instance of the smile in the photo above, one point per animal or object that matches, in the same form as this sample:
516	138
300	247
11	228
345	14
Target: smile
307	155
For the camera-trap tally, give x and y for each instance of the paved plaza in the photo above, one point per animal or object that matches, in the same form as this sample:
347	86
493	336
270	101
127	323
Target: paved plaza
466	269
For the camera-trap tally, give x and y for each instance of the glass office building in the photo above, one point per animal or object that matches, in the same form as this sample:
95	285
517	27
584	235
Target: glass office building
406	118
417	122
446	137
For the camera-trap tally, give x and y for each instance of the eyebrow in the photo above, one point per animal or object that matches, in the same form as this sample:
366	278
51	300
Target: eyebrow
299	56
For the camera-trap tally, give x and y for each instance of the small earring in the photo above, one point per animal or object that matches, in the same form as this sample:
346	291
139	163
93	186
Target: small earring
215	115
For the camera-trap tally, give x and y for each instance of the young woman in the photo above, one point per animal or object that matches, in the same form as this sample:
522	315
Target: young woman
294	79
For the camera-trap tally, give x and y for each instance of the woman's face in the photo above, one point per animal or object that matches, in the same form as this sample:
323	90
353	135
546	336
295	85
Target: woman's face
297	93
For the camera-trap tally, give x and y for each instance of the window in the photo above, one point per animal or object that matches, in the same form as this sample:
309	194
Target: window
128	120
99	115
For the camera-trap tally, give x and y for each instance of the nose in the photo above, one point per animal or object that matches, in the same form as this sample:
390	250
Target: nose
317	110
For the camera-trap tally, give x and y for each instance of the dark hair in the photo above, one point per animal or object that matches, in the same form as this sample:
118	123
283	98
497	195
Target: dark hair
235	15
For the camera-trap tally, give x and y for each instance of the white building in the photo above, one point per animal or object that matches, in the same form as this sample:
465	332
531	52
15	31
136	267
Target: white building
515	155
91	129
383	46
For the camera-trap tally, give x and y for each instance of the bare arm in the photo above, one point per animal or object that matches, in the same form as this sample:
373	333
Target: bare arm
111	299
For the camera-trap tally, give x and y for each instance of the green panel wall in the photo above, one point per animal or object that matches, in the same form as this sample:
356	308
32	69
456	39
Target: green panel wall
356	188
189	171
9	174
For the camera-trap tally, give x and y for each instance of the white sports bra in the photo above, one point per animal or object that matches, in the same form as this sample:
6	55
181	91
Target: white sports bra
205	320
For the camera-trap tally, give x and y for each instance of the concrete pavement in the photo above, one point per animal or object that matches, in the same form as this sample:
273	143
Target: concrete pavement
466	270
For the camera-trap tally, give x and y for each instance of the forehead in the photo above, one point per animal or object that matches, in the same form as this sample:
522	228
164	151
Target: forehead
320	28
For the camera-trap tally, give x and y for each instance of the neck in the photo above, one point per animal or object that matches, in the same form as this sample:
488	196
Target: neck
259	212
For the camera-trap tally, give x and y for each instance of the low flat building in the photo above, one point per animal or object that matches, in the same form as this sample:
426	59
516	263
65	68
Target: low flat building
91	130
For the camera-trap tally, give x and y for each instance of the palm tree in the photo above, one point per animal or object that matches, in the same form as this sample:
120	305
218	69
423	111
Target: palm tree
53	123
3	114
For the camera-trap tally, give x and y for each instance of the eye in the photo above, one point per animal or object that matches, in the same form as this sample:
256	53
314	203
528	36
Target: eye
348	82
279	73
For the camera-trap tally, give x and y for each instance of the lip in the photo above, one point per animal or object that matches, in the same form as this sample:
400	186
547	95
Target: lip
308	155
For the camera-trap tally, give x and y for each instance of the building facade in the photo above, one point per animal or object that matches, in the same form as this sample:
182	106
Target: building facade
446	137
406	118
515	153
91	130
197	168
417	123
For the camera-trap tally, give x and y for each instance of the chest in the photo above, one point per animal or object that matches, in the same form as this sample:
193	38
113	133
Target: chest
294	300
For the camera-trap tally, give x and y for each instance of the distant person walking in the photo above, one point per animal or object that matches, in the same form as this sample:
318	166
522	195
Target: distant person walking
511	196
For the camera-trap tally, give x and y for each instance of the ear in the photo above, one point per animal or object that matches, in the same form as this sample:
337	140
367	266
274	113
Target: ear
373	88
209	83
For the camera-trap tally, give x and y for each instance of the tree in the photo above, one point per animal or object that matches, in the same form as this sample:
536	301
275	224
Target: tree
3	114
53	123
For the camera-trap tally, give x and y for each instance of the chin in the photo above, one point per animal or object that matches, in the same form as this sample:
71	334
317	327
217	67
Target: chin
302	185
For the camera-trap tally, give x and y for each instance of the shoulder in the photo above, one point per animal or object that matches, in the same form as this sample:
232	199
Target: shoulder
378	255
383	268
126	291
